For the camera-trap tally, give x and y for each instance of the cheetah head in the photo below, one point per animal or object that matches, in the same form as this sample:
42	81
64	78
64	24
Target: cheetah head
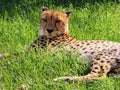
53	23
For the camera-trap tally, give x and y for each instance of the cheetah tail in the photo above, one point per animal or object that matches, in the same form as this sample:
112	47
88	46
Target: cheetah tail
90	76
79	78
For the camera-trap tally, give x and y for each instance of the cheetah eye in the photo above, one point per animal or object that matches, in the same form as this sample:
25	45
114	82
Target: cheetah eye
57	21
45	20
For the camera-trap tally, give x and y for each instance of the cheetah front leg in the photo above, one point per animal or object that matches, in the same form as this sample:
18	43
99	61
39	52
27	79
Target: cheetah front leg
100	66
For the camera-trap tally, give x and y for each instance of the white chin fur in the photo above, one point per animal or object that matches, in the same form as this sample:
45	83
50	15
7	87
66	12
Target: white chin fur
41	32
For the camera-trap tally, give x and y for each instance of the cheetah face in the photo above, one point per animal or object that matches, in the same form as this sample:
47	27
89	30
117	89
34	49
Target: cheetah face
53	23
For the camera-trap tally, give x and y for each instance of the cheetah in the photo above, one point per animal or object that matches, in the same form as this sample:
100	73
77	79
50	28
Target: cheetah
103	56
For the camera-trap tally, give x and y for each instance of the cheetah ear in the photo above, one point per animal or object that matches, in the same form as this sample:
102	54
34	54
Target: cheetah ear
44	9
68	13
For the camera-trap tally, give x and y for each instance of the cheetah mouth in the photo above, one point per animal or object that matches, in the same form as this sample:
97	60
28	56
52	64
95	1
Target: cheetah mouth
54	36
50	36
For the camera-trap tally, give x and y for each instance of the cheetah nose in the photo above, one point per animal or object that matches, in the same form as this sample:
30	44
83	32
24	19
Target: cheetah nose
50	30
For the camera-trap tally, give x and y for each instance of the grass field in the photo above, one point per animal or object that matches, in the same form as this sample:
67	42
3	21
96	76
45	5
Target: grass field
19	25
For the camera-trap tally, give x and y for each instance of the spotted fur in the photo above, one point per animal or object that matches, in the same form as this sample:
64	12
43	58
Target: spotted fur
103	56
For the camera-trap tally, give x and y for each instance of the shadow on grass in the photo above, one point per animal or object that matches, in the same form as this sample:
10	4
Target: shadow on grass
13	6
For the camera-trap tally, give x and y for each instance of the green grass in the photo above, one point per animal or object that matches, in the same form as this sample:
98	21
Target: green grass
19	25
